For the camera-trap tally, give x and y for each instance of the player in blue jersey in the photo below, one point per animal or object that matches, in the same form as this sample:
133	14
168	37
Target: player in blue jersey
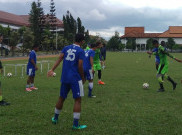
88	67
31	68
72	78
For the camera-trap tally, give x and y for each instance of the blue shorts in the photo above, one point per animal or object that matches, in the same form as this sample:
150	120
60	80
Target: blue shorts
77	89
30	71
88	74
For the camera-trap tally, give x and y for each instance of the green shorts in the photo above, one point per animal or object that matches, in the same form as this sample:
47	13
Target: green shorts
97	66
163	69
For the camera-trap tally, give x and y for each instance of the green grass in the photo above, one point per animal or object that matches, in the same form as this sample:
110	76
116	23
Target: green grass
121	107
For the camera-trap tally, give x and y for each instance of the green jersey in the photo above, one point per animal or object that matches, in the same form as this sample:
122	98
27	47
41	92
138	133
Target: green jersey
97	56
162	53
87	48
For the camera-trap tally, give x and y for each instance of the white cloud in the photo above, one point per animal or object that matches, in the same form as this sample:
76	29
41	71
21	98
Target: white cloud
95	15
107	33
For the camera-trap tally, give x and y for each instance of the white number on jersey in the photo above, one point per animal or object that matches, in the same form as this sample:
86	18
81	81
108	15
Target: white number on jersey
71	55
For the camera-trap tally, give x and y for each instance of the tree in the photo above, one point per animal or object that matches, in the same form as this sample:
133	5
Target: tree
170	43
131	44
115	42
149	43
28	40
35	23
14	36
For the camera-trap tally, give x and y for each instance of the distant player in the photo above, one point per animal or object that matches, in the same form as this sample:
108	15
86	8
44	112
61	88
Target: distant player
103	55
163	66
72	78
97	62
88	47
31	68
2	102
157	59
89	68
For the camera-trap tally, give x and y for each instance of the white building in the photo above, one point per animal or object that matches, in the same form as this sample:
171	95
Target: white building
174	32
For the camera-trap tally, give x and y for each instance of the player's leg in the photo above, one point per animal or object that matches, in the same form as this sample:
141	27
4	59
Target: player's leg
2	102
171	80
160	78
32	87
165	70
78	92
29	79
104	60
64	90
98	68
89	77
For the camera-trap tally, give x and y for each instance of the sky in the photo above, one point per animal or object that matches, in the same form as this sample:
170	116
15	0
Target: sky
104	17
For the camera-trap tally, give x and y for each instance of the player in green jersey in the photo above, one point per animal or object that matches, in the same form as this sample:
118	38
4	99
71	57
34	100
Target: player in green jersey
163	66
97	62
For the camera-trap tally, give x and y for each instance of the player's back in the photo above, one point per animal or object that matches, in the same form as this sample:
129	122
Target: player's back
86	64
72	55
33	56
162	55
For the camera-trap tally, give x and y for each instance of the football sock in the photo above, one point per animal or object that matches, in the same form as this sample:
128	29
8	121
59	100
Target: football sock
27	86
1	98
99	74
76	117
171	80
31	85
57	112
90	87
161	86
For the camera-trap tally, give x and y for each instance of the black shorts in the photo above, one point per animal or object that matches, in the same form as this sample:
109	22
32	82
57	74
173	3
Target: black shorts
103	56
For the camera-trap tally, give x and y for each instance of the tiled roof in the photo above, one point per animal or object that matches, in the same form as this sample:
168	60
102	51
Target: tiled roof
173	31
20	20
13	19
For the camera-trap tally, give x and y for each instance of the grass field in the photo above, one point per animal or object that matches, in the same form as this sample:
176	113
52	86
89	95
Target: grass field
121	107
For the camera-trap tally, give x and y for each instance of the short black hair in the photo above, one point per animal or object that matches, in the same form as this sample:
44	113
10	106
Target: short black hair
93	45
1	34
154	42
79	37
163	43
98	43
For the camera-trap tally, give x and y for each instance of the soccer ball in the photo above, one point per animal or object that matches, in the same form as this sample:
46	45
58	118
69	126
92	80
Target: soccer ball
145	85
54	74
9	74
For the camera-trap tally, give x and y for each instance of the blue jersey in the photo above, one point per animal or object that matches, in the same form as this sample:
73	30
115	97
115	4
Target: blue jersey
72	55
33	56
157	59
86	63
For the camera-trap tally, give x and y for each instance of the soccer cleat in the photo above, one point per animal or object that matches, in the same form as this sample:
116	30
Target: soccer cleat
160	90
4	103
100	82
28	89
174	86
33	88
79	127
54	121
92	96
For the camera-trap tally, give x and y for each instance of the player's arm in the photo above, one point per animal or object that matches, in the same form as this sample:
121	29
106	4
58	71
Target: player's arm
50	72
171	56
80	70
33	62
92	63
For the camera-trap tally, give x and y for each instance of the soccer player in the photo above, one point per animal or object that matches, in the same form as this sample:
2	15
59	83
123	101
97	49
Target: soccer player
163	66
97	63
31	68
72	78
2	102
88	67
88	47
103	55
